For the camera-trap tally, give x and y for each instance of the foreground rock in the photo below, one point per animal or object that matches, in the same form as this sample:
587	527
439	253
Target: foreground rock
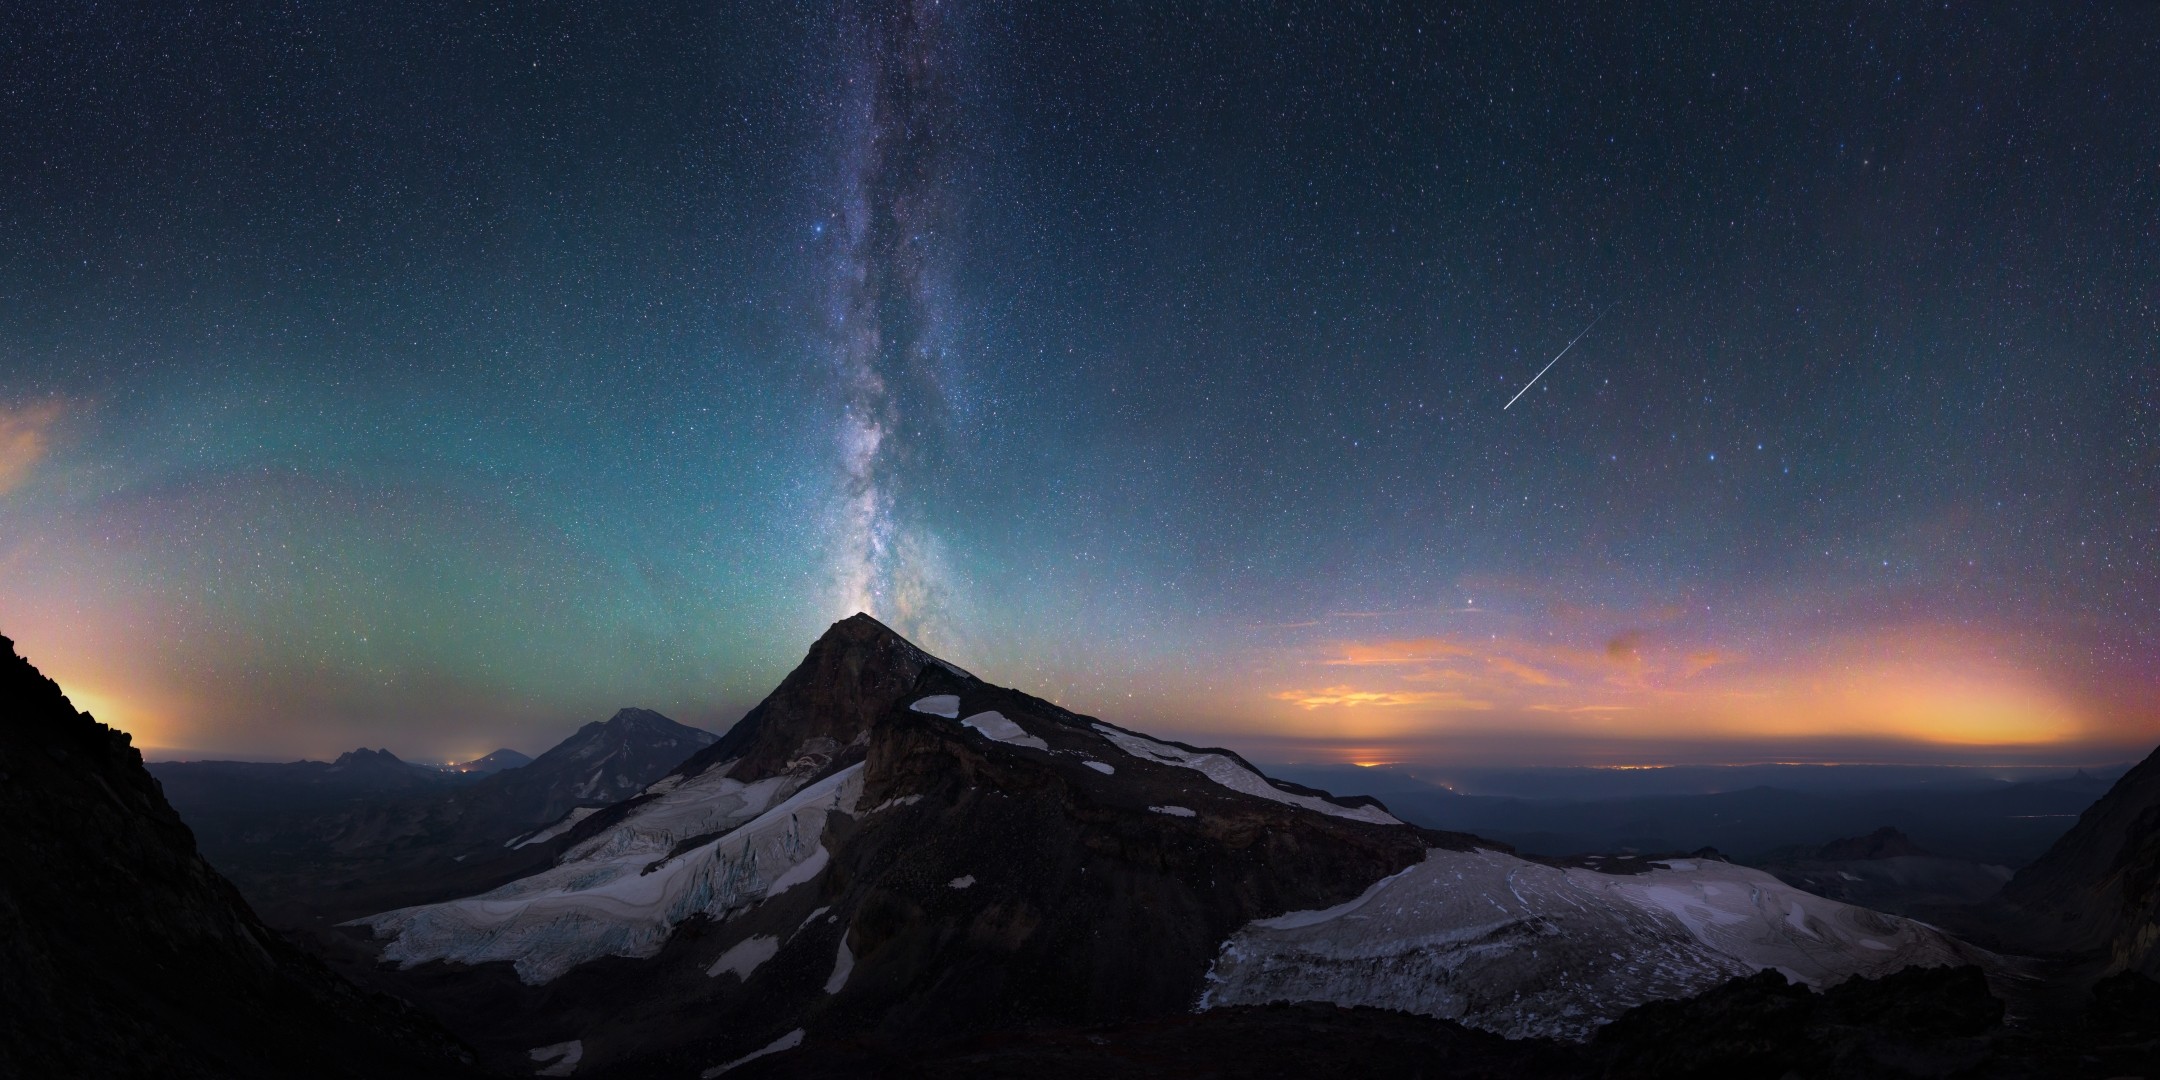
122	953
2095	895
1920	1022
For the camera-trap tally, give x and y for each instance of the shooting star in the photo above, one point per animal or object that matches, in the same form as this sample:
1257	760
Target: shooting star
1554	360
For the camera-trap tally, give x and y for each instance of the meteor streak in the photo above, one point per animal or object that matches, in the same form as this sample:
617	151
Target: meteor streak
1551	362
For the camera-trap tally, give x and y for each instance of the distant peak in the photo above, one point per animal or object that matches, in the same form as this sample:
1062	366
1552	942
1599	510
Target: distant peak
365	756
1885	843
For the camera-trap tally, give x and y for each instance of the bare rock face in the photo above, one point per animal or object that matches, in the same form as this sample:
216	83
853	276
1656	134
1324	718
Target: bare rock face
855	675
122	953
2097	890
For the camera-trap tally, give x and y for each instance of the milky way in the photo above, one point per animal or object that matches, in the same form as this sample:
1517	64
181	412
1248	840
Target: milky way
889	308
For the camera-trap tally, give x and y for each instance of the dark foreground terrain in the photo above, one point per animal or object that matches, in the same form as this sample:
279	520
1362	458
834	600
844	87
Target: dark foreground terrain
1939	1022
122	953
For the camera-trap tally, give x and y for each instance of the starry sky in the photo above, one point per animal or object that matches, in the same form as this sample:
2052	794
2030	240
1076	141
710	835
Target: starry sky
443	376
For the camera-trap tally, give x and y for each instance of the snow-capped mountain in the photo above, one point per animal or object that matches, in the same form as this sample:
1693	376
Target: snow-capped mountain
890	849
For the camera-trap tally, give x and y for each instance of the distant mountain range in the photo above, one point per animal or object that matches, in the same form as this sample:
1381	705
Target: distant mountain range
1974	820
307	840
893	868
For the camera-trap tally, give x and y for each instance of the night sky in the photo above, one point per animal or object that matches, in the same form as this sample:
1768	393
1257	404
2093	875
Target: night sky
442	376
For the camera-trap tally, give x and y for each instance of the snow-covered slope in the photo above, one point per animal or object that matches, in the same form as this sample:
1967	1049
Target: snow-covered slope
1525	949
621	893
1235	775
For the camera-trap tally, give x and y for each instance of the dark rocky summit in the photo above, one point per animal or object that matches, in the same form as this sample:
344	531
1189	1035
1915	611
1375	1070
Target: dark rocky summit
122	953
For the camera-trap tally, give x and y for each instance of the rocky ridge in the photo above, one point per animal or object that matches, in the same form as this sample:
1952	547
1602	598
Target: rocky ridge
122	953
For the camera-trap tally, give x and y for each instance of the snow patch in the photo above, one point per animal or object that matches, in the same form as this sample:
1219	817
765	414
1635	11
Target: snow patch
789	1041
994	725
961	882
945	705
1227	772
1295	920
744	956
843	966
1100	767
1797	919
1174	811
1524	949
800	872
904	800
567	822
565	1055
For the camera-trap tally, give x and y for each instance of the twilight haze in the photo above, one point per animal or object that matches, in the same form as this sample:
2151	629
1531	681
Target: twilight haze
442	378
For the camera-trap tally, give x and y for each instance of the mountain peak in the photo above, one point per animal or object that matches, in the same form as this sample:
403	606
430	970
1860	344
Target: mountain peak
1887	842
855	672
366	757
632	716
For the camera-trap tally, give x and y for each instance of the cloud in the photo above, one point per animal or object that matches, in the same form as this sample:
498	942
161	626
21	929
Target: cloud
1352	697
1703	660
1523	671
1911	683
25	438
1390	653
1625	648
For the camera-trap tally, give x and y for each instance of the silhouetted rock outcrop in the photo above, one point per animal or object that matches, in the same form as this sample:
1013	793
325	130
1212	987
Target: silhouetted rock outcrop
2097	891
122	953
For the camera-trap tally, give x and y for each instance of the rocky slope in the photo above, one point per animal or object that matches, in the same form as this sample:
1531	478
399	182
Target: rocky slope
122	953
889	852
1919	1022
2096	893
1885	870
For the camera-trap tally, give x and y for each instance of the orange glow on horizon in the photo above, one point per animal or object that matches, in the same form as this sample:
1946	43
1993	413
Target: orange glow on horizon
1917	685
